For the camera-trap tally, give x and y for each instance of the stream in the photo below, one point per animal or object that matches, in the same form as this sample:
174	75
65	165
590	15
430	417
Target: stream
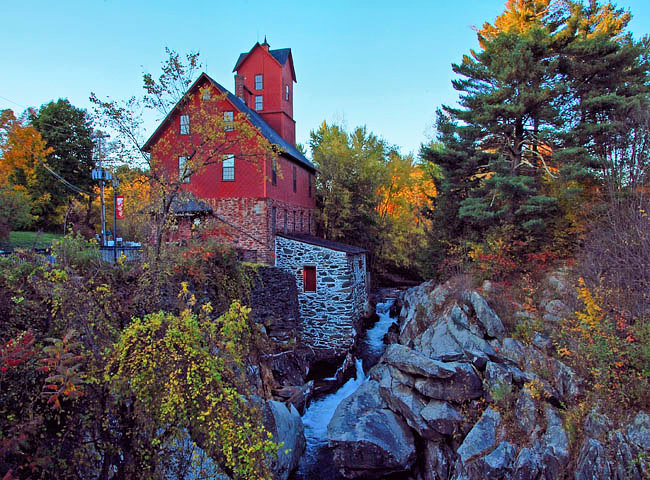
317	462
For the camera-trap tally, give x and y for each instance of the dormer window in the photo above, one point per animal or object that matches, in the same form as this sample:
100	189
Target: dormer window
228	118
259	102
185	125
259	82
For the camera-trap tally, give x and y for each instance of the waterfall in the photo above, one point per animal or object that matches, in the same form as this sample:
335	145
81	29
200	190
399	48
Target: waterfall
316	462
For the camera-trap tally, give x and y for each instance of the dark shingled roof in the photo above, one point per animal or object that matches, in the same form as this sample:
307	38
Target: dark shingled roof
321	242
265	129
187	204
280	54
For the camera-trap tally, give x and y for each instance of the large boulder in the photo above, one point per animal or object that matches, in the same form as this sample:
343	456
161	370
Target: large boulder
482	437
285	424
486	317
410	361
367	439
592	462
465	384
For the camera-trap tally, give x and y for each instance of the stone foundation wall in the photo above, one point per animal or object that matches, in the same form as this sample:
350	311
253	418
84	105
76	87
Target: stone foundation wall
274	302
330	316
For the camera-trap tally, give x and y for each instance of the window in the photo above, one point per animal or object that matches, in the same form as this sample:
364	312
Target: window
309	223
309	278
259	102
228	168
286	92
273	215
309	180
274	172
185	125
183	176
259	82
294	179
294	221
285	221
228	118
302	221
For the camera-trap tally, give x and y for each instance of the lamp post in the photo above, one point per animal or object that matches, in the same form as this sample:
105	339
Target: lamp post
116	182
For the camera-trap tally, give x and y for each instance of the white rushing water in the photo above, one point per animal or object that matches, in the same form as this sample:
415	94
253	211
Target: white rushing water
317	460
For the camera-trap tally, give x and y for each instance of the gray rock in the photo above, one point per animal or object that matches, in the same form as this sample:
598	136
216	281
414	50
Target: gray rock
409	404
513	350
592	462
543	342
555	445
442	417
464	385
525	412
410	361
496	374
638	432
497	464
486	316
626	464
557	307
438	461
449	340
367	439
482	437
527	465
597	425
286	426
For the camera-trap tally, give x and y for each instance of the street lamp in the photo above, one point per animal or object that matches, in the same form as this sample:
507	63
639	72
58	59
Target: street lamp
116	182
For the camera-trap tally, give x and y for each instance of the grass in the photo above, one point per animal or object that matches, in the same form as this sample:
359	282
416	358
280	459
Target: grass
32	239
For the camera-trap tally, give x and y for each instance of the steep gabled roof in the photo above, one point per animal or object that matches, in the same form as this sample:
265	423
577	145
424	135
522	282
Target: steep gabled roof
281	55
258	122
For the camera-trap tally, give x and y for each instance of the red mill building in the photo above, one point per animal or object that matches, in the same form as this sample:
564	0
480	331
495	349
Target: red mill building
252	203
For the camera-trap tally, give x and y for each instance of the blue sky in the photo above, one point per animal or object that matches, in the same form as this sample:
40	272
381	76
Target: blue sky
383	64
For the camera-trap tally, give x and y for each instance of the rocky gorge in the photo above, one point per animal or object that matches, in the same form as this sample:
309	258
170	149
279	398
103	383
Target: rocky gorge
454	397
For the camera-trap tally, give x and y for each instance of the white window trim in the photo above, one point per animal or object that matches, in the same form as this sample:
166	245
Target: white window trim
230	158
259	80
184	125
259	98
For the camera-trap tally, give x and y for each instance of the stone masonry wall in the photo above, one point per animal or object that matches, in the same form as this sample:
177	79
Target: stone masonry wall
330	316
274	302
357	264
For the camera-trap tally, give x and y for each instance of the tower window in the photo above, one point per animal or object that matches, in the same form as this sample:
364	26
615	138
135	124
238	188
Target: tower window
309	278
286	92
228	168
185	125
259	82
259	102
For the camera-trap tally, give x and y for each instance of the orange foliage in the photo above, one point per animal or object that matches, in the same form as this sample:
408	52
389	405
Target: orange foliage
21	147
